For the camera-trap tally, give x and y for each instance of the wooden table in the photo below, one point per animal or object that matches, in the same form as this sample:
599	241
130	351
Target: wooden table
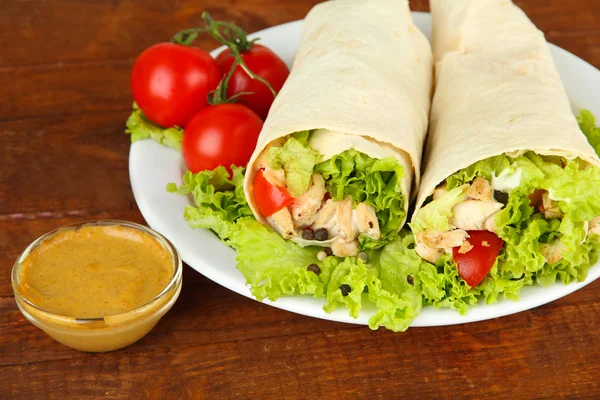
64	97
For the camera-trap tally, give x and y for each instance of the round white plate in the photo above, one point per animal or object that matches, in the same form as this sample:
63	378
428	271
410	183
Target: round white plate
152	166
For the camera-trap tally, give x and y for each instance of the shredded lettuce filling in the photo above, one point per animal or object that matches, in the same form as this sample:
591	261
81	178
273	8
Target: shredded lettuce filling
587	124
376	182
435	216
523	228
298	161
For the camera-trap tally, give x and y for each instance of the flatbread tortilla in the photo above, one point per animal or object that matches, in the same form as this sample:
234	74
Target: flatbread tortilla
362	69
497	91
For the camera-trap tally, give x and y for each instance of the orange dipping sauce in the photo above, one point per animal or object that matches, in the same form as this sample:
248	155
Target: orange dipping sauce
105	284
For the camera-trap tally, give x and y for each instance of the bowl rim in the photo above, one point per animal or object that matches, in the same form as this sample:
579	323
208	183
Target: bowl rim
173	283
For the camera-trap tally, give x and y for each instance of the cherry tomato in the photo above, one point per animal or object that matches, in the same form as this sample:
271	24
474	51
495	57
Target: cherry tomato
475	264
170	82
264	63
269	198
224	134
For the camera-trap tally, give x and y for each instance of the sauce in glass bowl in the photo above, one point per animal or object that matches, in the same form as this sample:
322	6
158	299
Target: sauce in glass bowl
97	286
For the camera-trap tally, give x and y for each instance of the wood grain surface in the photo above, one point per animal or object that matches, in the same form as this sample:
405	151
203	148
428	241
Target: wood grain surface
64	97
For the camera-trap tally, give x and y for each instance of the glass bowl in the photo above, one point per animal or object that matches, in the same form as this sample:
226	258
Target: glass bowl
102	333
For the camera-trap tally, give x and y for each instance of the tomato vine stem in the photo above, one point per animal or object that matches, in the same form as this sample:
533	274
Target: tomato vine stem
236	40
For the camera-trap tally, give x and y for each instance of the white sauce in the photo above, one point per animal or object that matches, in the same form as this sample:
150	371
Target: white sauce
331	143
553	196
507	180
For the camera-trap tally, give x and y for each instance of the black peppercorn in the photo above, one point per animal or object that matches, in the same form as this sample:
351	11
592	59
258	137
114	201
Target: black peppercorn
501	197
345	289
328	251
321	234
410	280
308	234
314	268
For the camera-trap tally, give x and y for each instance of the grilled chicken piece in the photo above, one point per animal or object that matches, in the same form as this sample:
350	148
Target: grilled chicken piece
281	221
552	252
327	218
344	223
275	177
594	226
480	189
262	161
305	207
366	221
341	248
490	223
472	214
439	192
344	219
428	253
550	207
444	240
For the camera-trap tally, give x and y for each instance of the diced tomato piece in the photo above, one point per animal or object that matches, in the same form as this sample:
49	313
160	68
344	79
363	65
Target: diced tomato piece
476	263
269	198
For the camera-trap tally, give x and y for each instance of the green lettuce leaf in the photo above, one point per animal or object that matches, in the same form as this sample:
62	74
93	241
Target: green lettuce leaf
533	168
275	267
587	124
577	191
390	282
443	286
302	137
485	169
524	229
297	159
349	271
435	216
397	293
140	127
373	181
218	197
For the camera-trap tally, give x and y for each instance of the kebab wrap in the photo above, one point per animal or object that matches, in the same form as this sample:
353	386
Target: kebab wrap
511	188
341	146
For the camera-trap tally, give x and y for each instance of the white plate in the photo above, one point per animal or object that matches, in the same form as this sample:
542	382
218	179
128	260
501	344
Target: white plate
152	166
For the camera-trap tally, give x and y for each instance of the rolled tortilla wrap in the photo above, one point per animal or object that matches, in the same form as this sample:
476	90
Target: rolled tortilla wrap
504	152
497	91
361	80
